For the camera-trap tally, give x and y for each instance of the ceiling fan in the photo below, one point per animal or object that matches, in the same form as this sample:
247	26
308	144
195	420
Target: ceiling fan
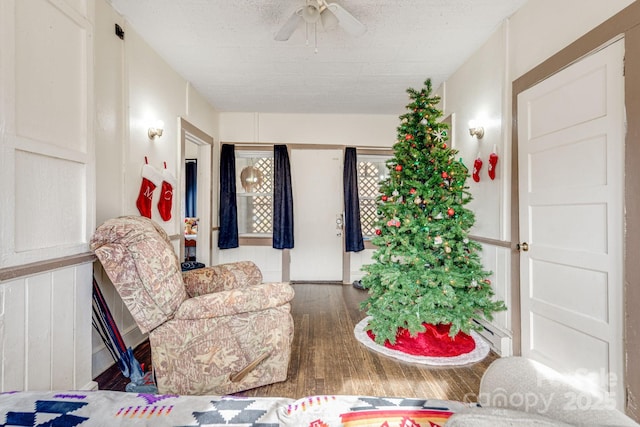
328	15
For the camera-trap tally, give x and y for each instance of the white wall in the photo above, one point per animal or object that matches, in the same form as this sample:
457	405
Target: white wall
47	175
328	129
478	91
543	27
47	131
135	88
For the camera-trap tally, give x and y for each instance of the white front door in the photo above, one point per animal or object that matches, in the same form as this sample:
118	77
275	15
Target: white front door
316	177
571	169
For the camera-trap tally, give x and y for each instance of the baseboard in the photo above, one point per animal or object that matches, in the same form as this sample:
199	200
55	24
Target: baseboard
90	386
499	340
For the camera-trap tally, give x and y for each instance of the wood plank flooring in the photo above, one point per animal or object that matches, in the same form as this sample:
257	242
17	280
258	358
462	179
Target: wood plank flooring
328	359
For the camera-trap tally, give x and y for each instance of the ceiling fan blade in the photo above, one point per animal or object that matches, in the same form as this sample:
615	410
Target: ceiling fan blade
328	19
290	26
347	21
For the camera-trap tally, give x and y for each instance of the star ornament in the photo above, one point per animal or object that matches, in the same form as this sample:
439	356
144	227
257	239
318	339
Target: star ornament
440	135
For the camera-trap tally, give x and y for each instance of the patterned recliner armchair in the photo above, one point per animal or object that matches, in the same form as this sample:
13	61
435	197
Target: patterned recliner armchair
215	330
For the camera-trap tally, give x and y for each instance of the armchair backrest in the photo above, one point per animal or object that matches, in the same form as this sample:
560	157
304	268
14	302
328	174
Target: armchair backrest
138	257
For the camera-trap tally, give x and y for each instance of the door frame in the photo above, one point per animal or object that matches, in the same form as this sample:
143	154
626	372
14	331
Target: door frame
627	23
205	143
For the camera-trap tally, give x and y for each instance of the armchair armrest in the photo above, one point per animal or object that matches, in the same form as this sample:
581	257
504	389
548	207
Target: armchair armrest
525	385
235	301
221	277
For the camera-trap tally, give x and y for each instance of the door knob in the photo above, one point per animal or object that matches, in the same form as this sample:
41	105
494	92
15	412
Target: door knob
524	246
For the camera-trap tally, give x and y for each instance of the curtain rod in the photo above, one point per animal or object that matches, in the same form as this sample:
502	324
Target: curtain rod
310	146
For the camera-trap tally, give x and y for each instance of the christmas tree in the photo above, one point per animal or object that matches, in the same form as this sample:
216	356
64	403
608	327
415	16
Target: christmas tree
426	269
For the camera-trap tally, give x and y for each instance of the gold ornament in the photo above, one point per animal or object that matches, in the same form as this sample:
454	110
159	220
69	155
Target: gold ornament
251	179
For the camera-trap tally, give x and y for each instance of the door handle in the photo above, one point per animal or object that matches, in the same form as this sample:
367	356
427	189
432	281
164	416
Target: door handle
524	246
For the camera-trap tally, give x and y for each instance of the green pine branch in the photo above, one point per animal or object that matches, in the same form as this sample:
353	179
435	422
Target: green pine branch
425	270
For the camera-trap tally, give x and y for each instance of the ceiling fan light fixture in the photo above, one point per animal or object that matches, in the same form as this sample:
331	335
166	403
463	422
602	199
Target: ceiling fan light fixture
310	13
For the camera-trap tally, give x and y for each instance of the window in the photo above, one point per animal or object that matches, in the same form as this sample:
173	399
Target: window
254	189
371	170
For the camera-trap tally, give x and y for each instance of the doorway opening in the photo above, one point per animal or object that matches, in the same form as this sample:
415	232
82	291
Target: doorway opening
196	201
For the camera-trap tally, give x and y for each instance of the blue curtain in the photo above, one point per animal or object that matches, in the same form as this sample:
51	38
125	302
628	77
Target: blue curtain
282	199
228	235
352	227
191	188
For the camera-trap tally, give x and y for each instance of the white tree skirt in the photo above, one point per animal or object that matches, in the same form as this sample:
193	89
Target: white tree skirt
476	355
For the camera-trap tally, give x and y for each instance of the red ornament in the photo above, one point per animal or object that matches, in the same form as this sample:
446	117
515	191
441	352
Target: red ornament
398	168
408	137
378	231
445	175
444	145
384	198
412	191
450	212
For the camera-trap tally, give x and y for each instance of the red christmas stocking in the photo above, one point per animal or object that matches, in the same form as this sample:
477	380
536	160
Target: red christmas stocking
150	180
493	161
165	204
477	165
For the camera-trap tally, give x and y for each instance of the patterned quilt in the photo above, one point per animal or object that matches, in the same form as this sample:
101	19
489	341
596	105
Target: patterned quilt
112	408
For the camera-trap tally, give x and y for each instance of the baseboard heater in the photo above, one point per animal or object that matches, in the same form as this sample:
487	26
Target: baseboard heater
499	340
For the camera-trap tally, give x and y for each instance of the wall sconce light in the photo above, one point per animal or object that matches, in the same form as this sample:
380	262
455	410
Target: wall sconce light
156	130
475	129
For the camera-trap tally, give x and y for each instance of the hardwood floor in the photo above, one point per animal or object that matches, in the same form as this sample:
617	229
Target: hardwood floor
328	359
112	378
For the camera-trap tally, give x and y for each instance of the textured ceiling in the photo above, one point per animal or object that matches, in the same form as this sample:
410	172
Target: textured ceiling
226	49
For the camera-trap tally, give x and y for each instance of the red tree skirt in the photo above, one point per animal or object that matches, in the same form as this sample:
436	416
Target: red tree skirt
433	342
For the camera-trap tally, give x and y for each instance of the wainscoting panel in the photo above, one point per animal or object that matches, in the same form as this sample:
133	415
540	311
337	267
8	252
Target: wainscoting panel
100	356
356	261
51	86
268	259
41	182
47	166
45	331
497	259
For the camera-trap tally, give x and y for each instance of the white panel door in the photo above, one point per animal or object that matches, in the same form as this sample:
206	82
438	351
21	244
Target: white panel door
316	177
571	169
